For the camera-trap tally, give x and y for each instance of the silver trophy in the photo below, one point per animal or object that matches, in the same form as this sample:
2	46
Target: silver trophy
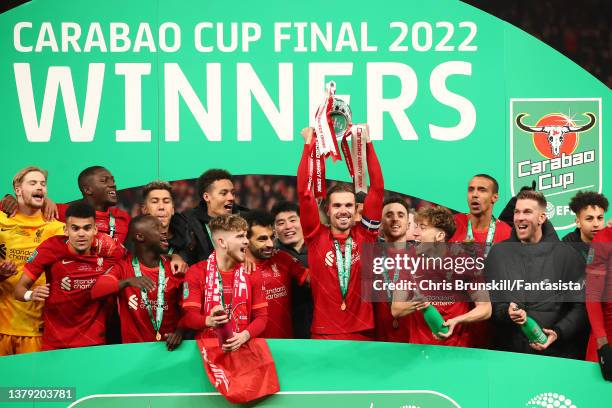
341	116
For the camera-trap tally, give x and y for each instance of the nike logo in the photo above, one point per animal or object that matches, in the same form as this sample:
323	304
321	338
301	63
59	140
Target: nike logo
65	262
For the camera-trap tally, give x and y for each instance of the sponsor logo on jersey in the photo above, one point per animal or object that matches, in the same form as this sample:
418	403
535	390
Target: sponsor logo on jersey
329	258
18	254
133	302
66	283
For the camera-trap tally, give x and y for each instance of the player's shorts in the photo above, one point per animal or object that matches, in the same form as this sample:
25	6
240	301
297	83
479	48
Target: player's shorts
19	344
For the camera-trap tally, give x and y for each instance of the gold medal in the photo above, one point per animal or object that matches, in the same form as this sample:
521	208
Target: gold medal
343	306
158	336
395	324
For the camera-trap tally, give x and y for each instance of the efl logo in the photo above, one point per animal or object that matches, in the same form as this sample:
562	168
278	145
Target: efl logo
557	144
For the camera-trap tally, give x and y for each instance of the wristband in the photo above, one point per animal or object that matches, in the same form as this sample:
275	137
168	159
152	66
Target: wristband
27	296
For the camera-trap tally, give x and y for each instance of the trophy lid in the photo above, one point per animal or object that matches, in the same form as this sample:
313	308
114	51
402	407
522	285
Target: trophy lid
339	107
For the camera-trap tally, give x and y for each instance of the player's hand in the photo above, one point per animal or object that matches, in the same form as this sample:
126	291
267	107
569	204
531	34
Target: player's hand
249	264
308	134
605	361
217	317
7	269
610	223
552	336
418	305
49	210
104	245
601	341
141	282
178	265
9	205
518	316
173	340
234	343
450	323
40	293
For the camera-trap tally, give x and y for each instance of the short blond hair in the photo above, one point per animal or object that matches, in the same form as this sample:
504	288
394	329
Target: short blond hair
18	179
228	222
533	195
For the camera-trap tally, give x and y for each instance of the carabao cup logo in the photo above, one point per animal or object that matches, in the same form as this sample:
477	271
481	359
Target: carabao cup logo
557	144
555	134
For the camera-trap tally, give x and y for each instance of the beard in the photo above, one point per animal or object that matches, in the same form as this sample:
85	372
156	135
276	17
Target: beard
33	203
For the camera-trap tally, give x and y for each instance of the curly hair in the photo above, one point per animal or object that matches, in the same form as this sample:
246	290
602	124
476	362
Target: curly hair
438	217
584	199
209	177
156	185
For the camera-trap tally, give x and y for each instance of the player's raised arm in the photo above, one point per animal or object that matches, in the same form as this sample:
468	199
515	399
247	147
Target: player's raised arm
372	207
309	213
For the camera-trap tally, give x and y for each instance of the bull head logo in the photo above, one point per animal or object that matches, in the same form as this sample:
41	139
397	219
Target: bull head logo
555	134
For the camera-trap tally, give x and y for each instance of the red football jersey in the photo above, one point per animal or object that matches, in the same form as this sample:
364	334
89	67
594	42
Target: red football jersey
599	289
194	289
70	317
122	220
420	333
502	230
328	317
481	332
136	326
387	328
449	302
276	274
